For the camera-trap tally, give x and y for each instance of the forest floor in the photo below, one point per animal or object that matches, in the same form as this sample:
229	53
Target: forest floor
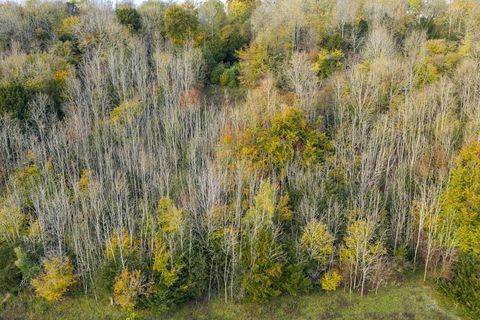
413	299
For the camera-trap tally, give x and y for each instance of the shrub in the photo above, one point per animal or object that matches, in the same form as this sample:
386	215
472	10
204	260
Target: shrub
15	98
328	62
331	281
294	279
126	111
67	27
25	264
129	17
128	288
104	278
55	278
10	277
217	72
465	284
229	76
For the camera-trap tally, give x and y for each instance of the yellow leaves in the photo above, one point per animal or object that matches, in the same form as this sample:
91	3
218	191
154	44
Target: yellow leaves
283	210
171	218
328	62
359	243
253	64
126	112
465	48
27	175
275	271
34	230
31	155
84	181
461	200
68	25
265	199
437	46
35	84
55	278
427	73
414	5
127	288
441	57
120	244
60	76
331	280
317	241
263	211
239	8
170	276
161	265
161	257
168	251
469	238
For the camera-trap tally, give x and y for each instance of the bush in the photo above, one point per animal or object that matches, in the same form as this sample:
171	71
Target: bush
229	76
26	77
126	111
25	264
129	17
15	98
55	278
328	62
331	281
128	288
294	280
10	276
217	72
465	284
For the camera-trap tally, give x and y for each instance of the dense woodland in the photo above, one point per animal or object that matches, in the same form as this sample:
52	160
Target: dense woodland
164	153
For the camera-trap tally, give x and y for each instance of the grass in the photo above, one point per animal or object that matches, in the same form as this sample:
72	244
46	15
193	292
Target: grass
410	300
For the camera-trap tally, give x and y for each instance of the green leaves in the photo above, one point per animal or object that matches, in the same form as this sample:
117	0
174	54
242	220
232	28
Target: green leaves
465	283
181	23
461	201
328	62
129	17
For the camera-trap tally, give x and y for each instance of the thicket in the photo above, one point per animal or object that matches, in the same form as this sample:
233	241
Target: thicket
169	152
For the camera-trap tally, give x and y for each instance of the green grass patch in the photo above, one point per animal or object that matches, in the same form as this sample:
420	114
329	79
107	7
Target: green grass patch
413	299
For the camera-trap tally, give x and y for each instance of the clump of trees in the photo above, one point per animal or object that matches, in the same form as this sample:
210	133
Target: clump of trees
169	152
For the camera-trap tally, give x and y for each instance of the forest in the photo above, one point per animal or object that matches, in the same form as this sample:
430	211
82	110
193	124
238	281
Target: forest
157	154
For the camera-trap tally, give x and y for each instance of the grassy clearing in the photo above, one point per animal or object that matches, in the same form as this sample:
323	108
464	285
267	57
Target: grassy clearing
411	300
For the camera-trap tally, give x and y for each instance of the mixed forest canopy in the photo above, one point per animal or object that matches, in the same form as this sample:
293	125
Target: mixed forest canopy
167	152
